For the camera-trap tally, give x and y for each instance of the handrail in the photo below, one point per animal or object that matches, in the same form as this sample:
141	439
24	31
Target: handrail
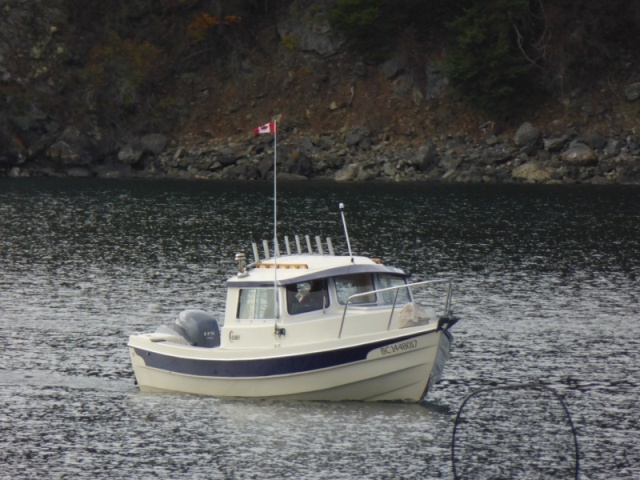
397	289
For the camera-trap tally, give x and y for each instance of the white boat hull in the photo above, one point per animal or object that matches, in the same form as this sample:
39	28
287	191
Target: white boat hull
395	366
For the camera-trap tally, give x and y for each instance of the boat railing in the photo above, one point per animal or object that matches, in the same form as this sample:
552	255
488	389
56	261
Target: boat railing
397	288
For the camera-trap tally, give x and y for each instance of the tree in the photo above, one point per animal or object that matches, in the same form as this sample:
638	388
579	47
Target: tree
488	62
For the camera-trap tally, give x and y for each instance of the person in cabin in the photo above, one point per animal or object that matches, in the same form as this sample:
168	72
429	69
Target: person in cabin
306	296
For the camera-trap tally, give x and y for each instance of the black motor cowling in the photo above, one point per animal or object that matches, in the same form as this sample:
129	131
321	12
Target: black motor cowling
199	328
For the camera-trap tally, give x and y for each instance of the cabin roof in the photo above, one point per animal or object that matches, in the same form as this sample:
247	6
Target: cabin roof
305	267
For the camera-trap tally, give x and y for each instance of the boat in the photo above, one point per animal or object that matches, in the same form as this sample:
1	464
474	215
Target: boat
304	325
308	324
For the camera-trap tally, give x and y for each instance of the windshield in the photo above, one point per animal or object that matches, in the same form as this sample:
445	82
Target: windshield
386	280
348	285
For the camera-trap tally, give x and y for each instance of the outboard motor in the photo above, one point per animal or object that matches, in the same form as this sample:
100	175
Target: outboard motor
199	328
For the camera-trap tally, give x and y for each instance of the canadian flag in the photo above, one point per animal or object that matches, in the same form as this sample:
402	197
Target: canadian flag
266	128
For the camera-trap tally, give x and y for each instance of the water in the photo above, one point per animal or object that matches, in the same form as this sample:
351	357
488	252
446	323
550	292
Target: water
546	286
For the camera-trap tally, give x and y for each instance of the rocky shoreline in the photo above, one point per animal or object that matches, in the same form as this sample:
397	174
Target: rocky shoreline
52	125
358	156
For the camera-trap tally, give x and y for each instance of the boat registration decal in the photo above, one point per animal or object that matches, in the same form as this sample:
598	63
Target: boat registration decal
399	347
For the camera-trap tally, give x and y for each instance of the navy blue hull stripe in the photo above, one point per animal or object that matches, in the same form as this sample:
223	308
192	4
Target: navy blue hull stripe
264	367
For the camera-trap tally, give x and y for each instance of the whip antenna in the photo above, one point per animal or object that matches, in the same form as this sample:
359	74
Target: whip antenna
346	232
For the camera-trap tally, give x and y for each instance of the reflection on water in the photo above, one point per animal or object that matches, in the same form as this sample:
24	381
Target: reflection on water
546	285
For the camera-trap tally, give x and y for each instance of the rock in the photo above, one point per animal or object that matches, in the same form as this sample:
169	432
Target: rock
236	171
448	162
15	172
226	157
252	172
358	135
598	180
402	85
594	140
291	177
62	151
326	142
131	153
29	119
579	154
449	174
47	171
348	173
389	169
554	144
470	176
526	136
78	172
613	147
416	96
306	144
393	67
366	174
532	172
360	69
632	92
437	81
497	154
70	148
297	163
72	134
308	28
154	143
12	151
491	140
633	144
426	157
265	165
353	138
113	171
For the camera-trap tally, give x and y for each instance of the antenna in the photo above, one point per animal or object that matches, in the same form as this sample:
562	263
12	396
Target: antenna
346	232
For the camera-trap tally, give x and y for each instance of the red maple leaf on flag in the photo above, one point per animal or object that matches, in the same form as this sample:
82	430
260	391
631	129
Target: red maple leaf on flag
266	128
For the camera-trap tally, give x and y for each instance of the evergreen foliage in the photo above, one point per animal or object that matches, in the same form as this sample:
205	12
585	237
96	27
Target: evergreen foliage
376	25
488	63
496	50
363	21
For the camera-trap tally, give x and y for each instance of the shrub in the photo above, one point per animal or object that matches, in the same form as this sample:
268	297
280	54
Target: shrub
366	22
488	63
290	42
119	68
204	22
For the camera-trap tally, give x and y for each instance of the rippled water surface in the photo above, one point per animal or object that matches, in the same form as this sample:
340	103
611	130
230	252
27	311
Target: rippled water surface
546	286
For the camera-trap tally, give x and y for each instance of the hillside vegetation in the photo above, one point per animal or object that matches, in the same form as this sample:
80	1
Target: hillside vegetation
98	73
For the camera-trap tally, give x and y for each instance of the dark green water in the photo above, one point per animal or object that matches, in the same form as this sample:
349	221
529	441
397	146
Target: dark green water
546	285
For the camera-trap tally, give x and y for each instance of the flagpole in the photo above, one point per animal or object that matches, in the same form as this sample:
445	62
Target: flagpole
275	220
271	127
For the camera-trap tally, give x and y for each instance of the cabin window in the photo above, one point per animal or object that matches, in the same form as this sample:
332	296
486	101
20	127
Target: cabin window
308	296
256	303
386	280
348	285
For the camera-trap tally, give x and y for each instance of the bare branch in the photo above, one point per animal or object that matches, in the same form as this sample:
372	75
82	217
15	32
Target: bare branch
521	47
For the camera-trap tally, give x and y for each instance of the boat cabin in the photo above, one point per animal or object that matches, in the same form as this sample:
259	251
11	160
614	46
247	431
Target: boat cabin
256	300
312	295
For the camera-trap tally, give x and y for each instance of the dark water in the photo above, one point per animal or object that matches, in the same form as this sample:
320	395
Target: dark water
546	285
